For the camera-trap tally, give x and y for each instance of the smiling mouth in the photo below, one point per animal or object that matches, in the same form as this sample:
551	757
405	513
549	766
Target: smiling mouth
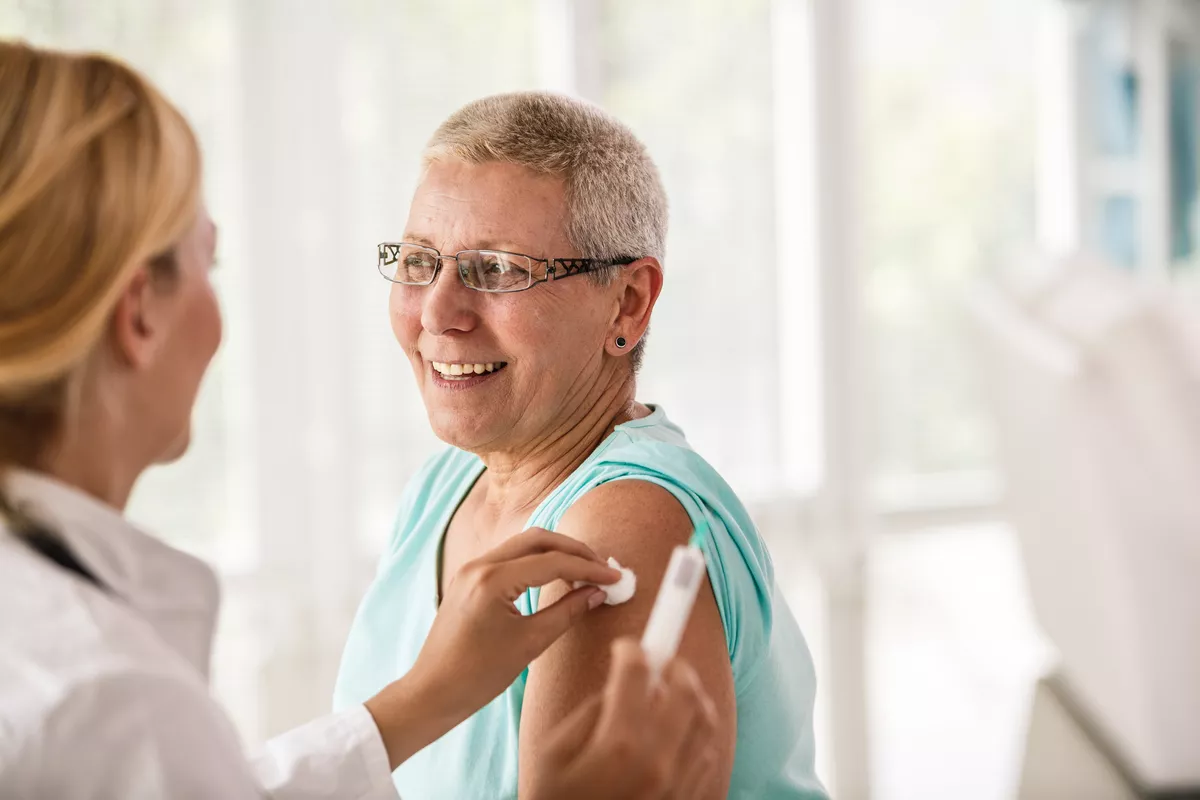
464	372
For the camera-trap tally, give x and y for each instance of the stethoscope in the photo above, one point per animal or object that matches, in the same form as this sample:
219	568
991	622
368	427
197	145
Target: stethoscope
49	546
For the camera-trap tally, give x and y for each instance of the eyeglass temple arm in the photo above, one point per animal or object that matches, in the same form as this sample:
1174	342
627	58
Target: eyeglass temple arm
580	266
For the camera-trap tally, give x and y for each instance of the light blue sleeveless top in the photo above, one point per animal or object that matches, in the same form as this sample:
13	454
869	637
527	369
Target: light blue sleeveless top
773	671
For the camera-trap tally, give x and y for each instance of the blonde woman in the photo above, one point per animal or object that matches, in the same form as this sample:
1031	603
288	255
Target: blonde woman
107	325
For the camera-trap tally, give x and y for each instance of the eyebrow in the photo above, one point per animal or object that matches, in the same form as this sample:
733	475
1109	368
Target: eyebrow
417	239
489	245
484	245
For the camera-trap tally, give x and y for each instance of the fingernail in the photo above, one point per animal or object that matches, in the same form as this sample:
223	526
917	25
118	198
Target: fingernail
598	597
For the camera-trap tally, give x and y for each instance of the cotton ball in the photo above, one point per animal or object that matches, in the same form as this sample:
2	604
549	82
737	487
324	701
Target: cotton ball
619	592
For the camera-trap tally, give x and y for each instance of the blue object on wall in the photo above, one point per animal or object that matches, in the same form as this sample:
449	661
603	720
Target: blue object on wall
1183	87
1119	230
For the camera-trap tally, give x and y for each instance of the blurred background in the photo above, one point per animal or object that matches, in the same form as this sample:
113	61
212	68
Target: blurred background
951	376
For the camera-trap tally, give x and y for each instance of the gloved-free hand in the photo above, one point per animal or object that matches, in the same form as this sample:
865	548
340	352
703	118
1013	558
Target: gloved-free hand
641	738
480	642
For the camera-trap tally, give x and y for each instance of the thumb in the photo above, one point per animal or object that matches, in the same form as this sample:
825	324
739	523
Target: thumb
556	619
567	738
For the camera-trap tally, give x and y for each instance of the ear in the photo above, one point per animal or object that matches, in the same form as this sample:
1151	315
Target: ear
642	284
138	325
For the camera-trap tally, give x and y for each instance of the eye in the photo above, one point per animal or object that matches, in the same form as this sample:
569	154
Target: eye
415	266
494	265
497	272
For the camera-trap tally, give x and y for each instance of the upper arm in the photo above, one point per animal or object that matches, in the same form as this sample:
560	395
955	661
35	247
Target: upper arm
638	523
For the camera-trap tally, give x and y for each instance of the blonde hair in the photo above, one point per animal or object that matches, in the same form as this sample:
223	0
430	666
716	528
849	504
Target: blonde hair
616	204
99	175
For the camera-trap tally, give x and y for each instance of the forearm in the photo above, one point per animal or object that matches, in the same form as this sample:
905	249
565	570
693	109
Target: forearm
410	715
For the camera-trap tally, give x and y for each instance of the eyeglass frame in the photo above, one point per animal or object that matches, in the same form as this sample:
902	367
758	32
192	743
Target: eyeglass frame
571	266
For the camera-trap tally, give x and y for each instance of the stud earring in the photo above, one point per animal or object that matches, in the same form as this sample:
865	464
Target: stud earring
621	343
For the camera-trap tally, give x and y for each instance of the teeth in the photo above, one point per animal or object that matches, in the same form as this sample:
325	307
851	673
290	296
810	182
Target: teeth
465	370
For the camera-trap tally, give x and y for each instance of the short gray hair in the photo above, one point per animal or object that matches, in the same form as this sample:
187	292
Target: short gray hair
616	204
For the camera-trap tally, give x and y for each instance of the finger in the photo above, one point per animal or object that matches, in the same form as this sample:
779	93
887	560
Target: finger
542	629
676	708
706	710
627	690
695	777
699	746
567	738
538	570
539	540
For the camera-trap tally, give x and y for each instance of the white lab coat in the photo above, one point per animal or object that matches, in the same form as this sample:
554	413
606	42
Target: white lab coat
104	691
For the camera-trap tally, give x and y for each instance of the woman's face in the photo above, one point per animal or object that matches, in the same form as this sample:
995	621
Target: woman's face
191	333
545	346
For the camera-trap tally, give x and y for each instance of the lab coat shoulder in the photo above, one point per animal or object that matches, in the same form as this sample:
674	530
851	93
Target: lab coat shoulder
95	704
130	732
104	674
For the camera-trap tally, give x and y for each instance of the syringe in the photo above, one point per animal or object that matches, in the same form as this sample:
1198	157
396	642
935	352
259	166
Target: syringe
673	606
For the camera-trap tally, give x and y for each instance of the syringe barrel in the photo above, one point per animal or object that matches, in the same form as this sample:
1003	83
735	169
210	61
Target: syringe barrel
673	606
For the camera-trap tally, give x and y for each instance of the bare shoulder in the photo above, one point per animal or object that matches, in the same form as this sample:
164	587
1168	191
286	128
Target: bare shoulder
634	519
639	523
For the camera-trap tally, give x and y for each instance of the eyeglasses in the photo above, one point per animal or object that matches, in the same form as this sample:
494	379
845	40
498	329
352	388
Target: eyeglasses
483	270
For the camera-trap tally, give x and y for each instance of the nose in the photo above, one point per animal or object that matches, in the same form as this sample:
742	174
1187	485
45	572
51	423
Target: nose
447	305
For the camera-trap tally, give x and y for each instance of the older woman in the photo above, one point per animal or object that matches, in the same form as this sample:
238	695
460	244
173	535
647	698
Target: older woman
530	377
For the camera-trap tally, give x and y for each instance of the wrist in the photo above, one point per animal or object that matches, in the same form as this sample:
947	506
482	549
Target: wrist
410	716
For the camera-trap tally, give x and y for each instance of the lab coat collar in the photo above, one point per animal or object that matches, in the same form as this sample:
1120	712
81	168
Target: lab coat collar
175	593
